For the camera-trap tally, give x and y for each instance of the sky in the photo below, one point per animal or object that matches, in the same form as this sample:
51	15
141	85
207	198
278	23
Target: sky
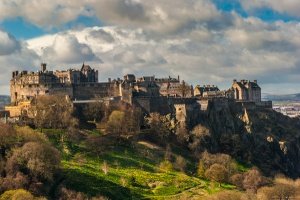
203	41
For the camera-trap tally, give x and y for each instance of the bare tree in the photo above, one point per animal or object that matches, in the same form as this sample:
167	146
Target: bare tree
252	180
217	173
53	112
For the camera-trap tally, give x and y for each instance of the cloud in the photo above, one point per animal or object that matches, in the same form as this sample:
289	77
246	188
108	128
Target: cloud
8	44
67	49
289	7
156	15
249	49
191	38
43	13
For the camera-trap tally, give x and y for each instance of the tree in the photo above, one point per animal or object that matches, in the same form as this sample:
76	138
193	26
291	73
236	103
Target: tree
217	173
19	194
200	131
185	89
180	163
38	161
182	133
226	195
237	180
283	189
66	194
165	166
53	112
8	138
116	121
201	169
161	125
252	180
94	111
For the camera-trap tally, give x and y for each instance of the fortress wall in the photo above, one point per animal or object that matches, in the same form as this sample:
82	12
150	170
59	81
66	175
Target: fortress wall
21	92
91	91
161	105
264	104
61	90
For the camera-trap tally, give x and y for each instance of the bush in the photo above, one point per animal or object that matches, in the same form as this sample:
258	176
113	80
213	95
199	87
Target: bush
201	169
180	163
237	180
39	160
217	173
226	195
66	194
105	167
165	166
252	180
19	194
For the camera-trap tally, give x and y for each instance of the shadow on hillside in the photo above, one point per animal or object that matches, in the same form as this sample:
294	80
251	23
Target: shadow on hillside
93	186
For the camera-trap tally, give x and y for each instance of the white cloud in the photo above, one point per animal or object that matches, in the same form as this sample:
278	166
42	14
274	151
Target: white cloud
67	49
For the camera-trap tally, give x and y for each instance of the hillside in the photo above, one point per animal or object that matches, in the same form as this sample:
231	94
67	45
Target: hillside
290	97
260	137
129	169
234	150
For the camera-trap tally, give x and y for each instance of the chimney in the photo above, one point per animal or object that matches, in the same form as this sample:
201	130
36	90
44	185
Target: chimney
255	81
43	67
234	81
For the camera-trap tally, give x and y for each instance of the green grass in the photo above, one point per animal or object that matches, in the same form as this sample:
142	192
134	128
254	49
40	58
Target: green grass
133	173
87	176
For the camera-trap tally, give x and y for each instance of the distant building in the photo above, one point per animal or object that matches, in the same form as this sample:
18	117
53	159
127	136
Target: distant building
246	90
201	91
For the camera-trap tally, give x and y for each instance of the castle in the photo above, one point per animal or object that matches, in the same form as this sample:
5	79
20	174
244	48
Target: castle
163	95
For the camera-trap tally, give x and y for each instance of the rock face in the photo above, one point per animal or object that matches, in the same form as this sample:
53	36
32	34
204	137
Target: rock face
258	136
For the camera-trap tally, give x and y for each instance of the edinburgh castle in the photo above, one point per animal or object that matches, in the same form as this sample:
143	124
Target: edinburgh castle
152	94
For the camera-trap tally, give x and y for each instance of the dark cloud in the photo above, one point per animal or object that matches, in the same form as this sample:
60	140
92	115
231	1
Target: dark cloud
8	44
102	35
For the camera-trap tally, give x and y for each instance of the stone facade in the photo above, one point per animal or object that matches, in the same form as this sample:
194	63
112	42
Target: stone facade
25	85
246	90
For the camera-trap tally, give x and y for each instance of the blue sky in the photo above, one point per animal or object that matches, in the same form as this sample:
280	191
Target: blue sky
206	41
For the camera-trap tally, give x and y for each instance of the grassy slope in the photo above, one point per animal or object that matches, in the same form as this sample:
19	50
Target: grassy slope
83	172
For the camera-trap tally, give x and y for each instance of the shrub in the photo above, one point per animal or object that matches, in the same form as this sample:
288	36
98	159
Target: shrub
237	180
180	163
165	166
19	194
217	173
105	167
39	161
201	169
253	180
226	195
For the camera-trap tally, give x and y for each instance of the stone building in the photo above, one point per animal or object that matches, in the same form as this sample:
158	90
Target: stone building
82	83
246	90
202	91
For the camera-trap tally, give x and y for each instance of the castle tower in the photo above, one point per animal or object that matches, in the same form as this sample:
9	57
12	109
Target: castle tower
43	67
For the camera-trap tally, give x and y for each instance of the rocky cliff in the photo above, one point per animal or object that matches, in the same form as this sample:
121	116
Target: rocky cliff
257	136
